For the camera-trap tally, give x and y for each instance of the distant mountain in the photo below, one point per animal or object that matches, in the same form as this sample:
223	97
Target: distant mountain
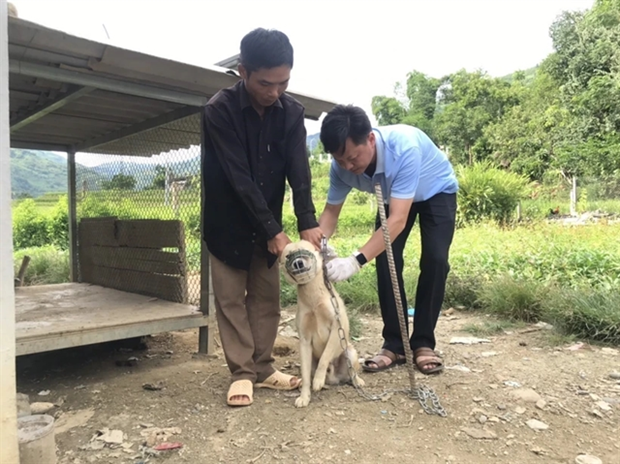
312	141
144	173
35	173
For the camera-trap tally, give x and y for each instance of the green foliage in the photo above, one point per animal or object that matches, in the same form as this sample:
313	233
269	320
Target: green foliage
387	110
488	193
30	228
512	298
58	224
587	313
159	181
119	182
48	265
563	115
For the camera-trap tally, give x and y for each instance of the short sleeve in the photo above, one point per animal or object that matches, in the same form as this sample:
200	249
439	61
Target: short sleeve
338	189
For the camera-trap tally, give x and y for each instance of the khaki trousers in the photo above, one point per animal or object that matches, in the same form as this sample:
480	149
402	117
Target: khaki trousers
247	307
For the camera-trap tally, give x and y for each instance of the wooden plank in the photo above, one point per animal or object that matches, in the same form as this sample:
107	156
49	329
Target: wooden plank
150	233
145	254
53	342
171	288
97	231
116	258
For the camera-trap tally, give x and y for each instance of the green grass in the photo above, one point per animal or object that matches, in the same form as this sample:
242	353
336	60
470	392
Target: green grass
568	276
491	327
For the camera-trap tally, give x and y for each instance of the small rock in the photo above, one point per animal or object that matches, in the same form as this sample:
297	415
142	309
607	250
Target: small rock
512	383
543	325
477	399
347	452
610	351
520	410
540	404
488	354
538	451
588	459
44	392
501	407
468	340
536	425
459	367
482	418
526	394
615	375
111	436
41	408
603	405
479	434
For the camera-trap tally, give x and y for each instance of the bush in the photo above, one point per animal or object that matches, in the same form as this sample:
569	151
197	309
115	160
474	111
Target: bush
30	228
513	299
58	224
587	313
48	265
486	192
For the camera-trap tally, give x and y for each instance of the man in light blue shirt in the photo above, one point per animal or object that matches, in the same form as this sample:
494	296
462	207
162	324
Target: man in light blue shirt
417	180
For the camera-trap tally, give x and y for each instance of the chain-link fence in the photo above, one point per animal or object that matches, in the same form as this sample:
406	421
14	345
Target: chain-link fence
153	255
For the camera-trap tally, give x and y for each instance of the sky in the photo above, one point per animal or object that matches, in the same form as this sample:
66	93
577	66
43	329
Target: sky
345	51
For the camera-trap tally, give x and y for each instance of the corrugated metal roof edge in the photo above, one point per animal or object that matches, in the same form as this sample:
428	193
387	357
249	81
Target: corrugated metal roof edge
315	105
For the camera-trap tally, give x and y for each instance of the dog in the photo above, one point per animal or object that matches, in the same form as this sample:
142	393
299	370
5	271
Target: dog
323	360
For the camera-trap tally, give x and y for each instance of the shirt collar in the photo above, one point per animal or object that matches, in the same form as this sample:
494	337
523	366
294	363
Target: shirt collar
244	97
380	145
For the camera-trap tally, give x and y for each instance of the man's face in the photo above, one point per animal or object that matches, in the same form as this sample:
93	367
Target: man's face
356	158
265	86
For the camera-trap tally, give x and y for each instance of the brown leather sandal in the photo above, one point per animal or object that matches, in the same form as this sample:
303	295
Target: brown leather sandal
381	363
432	359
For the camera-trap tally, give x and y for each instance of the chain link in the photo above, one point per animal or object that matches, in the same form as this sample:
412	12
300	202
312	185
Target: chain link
422	393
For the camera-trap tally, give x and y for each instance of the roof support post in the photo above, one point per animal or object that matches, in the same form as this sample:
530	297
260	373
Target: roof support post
207	303
72	215
9	450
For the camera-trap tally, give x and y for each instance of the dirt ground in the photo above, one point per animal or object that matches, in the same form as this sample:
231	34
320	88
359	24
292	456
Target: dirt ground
99	389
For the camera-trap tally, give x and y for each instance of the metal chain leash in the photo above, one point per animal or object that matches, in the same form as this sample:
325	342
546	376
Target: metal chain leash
423	394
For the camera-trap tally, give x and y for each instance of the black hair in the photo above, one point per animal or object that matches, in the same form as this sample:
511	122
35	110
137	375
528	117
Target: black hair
341	123
262	48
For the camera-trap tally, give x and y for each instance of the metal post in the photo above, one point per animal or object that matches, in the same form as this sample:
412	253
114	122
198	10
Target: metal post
73	232
206	334
9	451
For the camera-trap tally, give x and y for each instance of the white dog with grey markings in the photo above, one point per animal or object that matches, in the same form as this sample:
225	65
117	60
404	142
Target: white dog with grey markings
323	359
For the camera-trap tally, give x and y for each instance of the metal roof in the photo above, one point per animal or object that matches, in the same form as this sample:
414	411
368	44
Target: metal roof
72	94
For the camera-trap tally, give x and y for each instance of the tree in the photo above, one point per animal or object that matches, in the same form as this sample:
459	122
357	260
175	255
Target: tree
387	110
468	103
422	97
119	182
159	181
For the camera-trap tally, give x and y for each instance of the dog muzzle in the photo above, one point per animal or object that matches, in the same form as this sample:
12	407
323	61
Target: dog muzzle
302	266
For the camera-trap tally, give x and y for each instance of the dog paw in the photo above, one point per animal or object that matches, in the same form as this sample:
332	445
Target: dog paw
302	401
358	381
318	384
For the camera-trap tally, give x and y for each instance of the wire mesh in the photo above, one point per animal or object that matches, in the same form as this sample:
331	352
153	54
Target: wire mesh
164	186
